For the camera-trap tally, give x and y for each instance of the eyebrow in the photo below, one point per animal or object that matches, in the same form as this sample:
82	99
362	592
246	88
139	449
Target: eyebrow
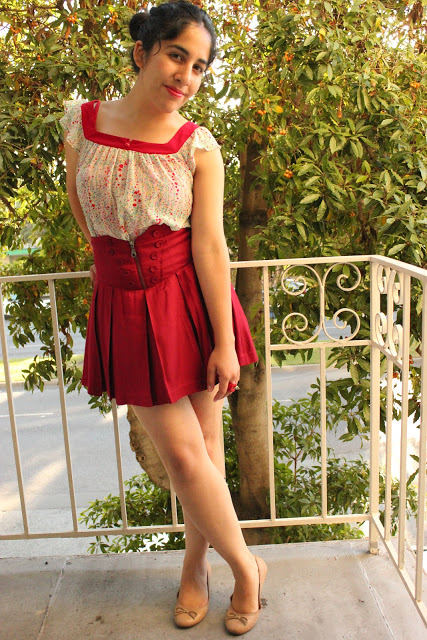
187	53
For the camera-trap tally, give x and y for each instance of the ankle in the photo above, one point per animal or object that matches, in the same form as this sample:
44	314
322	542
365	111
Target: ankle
247	568
195	564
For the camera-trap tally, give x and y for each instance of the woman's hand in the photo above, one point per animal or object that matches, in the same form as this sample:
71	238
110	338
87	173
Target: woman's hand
223	363
92	271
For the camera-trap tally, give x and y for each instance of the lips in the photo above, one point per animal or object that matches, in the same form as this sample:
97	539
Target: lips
174	92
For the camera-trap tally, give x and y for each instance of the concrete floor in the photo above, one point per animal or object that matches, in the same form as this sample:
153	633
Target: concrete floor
314	591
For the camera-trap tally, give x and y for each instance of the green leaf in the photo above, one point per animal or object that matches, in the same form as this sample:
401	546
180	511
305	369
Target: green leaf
396	134
321	55
305	169
423	170
308	72
357	148
311	181
354	372
311	198
367	100
321	210
308	41
396	249
366	167
301	230
359	99
222	92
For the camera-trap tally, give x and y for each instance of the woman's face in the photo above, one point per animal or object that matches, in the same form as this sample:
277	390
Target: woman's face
172	74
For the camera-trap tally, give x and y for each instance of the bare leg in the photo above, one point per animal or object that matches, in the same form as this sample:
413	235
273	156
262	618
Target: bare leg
202	490
193	589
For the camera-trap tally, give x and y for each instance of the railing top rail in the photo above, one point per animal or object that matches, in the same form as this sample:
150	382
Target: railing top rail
403	267
45	276
398	265
286	262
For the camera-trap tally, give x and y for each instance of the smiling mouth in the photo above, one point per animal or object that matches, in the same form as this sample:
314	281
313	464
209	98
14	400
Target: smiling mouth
174	92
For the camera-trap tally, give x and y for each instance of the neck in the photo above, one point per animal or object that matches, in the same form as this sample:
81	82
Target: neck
138	107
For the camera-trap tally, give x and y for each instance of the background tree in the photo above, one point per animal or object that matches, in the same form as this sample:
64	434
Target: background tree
320	108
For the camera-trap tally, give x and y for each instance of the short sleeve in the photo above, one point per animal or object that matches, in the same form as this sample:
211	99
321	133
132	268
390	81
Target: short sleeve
71	122
203	139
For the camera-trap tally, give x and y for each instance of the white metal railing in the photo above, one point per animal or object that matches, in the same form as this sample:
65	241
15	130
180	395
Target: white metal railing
390	280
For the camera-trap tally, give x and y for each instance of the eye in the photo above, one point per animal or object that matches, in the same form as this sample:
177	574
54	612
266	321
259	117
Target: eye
176	55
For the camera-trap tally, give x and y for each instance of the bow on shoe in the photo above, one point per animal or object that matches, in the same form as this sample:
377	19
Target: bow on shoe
234	616
180	609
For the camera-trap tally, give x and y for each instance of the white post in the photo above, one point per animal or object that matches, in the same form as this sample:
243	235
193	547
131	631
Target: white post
374	413
272	487
12	418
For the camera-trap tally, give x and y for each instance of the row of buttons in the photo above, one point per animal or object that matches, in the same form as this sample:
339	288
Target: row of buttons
153	256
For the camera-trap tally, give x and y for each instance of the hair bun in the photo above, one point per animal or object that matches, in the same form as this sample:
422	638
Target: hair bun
136	22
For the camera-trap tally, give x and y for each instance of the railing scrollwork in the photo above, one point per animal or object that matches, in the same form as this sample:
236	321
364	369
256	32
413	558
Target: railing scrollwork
388	333
297	285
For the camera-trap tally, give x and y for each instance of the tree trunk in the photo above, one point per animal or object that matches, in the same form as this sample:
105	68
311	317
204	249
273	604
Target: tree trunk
146	452
248	405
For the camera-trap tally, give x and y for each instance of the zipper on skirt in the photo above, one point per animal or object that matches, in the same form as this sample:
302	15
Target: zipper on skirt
134	255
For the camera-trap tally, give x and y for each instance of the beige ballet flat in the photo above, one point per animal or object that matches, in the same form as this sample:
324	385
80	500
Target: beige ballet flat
186	618
238	623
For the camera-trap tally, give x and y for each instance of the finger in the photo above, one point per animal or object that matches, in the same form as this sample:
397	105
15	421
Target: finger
229	392
211	374
222	390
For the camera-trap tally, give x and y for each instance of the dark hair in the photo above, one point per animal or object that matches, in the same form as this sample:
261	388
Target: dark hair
166	22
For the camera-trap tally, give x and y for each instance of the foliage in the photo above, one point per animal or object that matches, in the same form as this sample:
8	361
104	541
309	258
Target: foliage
297	452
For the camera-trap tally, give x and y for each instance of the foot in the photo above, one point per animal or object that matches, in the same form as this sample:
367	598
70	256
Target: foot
245	595
193	591
238	621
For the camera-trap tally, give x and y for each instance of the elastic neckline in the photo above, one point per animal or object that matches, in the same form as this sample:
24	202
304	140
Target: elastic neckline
89	114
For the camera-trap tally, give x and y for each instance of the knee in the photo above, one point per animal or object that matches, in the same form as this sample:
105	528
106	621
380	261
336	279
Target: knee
213	445
185	463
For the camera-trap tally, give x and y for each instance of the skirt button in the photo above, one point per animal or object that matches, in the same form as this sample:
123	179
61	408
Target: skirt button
131	283
111	252
158	244
154	256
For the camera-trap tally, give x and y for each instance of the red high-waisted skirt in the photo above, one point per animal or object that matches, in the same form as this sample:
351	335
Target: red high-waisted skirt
149	337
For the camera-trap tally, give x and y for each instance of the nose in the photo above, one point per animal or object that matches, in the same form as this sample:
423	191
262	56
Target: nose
184	74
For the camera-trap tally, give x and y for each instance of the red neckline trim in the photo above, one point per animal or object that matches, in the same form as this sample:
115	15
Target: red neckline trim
89	113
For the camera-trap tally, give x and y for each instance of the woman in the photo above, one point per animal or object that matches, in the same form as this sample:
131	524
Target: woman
166	332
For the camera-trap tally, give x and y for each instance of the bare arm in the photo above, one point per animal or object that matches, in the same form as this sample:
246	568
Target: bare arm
212	264
71	157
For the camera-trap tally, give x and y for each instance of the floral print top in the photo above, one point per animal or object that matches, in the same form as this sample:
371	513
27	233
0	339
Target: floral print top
125	186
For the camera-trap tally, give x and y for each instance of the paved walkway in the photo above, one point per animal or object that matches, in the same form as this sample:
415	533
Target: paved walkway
314	591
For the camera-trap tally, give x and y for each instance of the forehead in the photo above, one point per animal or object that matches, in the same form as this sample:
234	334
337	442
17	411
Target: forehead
195	38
